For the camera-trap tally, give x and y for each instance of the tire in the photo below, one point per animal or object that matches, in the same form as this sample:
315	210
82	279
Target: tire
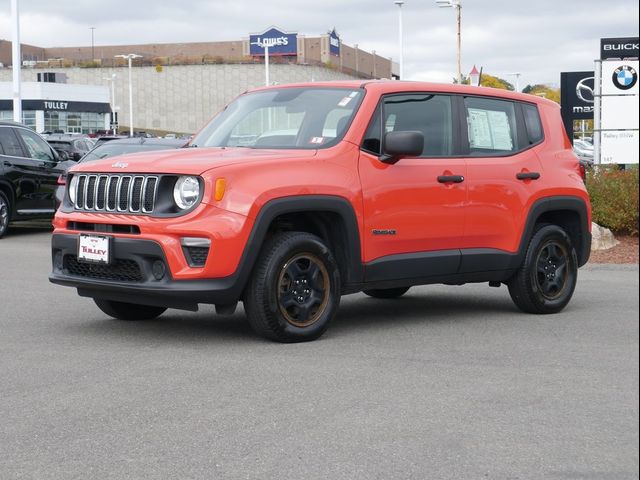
128	311
545	281
5	214
387	292
294	291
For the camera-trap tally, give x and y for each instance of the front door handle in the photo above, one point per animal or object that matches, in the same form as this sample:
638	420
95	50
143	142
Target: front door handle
528	176
450	179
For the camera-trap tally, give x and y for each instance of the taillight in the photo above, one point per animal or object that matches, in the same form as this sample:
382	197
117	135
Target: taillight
62	179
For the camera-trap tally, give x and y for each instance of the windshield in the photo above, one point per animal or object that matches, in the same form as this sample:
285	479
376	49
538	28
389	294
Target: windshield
111	150
66	146
305	118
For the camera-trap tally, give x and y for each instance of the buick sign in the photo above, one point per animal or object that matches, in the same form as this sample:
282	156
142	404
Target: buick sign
618	48
278	42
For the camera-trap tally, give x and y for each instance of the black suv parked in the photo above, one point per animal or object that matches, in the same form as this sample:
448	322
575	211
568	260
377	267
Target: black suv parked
29	170
72	147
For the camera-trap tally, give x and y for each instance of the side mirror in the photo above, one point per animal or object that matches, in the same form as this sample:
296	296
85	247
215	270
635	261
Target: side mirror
402	144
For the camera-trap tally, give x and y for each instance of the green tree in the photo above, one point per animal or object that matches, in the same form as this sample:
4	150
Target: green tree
495	82
546	91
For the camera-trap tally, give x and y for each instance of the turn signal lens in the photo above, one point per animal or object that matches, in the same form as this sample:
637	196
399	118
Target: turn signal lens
221	185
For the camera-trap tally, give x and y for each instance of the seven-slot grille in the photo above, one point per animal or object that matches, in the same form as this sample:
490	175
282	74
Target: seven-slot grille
116	193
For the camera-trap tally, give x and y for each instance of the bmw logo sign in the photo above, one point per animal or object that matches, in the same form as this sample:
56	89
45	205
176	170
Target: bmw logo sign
625	77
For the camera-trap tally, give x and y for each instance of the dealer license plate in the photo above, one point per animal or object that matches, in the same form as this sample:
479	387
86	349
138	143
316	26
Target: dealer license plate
94	248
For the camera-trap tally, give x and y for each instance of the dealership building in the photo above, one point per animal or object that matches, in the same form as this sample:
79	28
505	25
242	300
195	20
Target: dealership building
176	87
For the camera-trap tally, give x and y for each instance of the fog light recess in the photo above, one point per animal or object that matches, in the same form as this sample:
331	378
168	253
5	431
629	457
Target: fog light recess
196	250
158	269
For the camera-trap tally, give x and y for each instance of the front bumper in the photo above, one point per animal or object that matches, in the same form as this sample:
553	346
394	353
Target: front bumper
132	276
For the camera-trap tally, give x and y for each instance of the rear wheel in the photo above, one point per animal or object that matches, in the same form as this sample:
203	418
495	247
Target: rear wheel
5	214
545	281
128	311
294	290
387	292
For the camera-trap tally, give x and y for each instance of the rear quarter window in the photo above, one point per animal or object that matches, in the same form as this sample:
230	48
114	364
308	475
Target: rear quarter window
532	123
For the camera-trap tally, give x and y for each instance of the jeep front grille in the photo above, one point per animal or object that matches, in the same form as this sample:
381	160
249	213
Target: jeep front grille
116	193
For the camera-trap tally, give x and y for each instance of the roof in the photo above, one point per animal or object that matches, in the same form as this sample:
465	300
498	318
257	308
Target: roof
382	87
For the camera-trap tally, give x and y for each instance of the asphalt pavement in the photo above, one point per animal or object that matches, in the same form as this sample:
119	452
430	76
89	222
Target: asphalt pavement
444	383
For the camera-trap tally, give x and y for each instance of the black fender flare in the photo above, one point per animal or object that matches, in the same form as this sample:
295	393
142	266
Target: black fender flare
559	203
300	204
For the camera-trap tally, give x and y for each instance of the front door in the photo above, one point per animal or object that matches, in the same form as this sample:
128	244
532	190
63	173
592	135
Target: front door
39	175
414	209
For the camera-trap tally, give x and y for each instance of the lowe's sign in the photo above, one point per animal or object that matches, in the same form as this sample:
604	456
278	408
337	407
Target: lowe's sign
334	43
279	42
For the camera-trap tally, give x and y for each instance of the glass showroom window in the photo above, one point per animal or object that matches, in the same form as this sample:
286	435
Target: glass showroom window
28	117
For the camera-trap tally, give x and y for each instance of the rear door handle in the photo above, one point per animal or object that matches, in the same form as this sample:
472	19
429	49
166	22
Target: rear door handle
528	176
450	179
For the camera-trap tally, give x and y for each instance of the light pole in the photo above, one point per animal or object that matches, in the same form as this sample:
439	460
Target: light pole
399	3
129	57
266	66
458	6
16	62
112	80
93	57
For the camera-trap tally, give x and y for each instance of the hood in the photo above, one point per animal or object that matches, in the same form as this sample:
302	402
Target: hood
186	161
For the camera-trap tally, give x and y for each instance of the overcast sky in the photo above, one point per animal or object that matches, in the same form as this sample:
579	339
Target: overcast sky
539	38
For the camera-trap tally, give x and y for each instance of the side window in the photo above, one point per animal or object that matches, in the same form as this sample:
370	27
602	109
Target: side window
429	114
36	146
532	123
80	145
9	144
491	125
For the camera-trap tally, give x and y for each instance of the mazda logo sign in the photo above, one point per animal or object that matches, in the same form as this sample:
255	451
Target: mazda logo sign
584	89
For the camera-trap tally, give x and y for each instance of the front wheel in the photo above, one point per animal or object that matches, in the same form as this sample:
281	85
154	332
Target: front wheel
545	281
294	291
128	311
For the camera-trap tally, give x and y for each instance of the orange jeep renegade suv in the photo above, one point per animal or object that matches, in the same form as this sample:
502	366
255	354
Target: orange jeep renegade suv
295	195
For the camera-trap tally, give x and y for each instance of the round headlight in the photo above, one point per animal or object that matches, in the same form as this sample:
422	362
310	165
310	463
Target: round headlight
72	188
186	192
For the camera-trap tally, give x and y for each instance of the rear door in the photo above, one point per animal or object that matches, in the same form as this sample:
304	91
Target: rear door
502	170
414	209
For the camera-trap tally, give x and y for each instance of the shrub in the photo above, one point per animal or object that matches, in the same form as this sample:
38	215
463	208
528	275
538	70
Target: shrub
614	198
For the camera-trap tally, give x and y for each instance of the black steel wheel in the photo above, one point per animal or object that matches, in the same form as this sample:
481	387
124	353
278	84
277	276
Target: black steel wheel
387	292
294	290
128	311
545	281
5	214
